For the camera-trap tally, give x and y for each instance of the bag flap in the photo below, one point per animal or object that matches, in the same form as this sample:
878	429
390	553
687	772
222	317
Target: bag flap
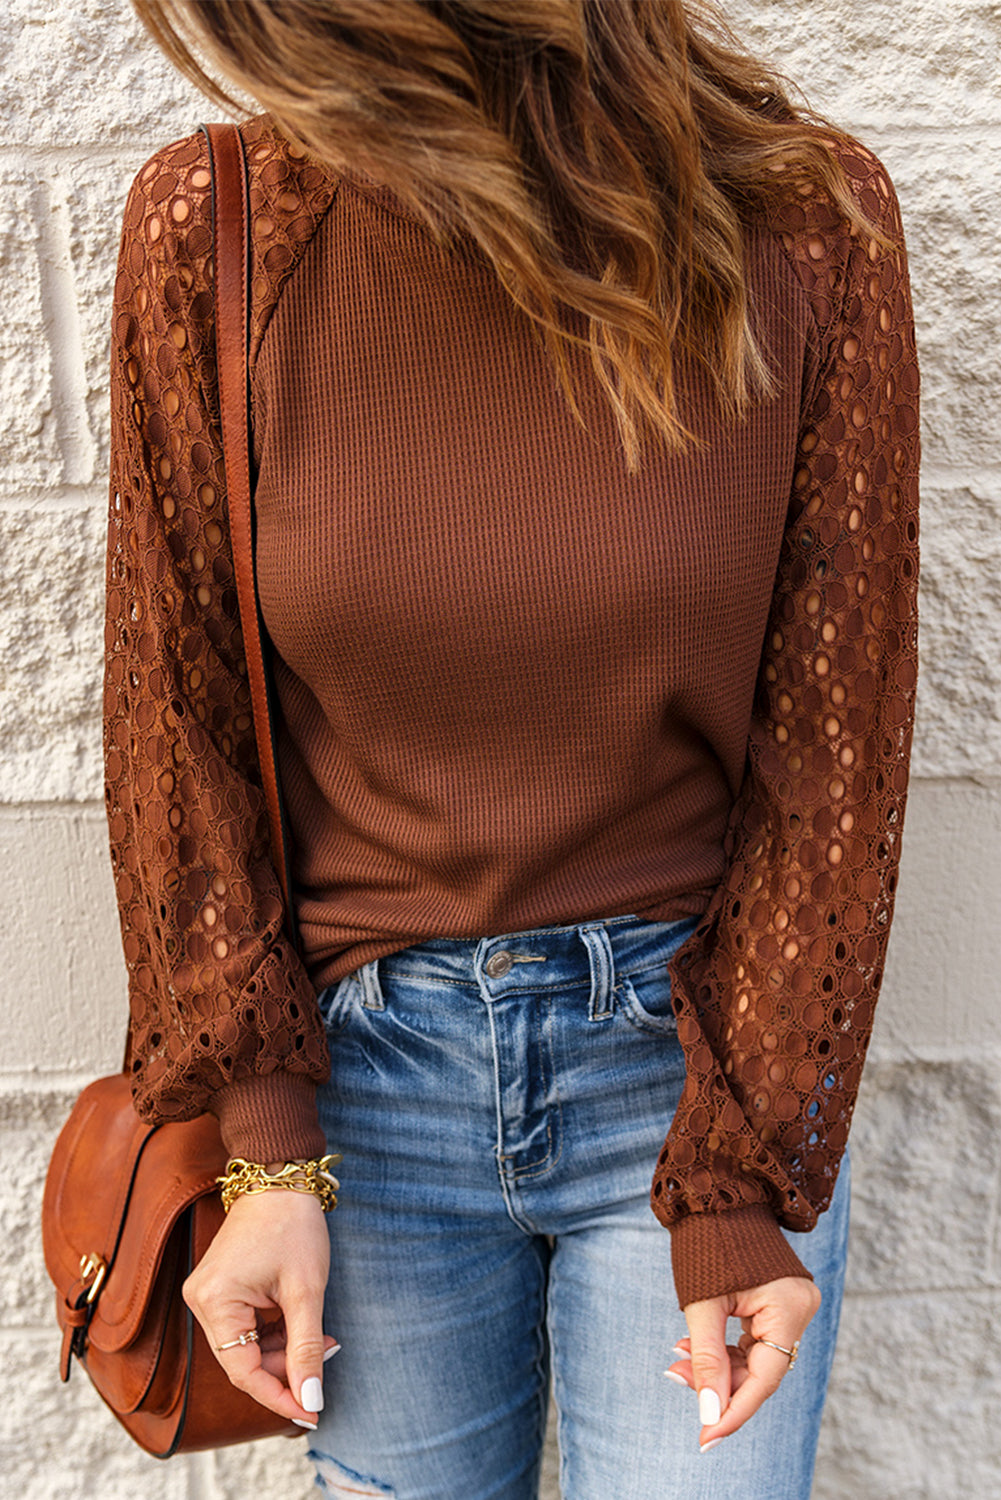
114	1189
89	1176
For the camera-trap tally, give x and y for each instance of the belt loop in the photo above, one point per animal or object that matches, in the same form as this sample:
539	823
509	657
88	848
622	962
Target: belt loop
599	954
371	989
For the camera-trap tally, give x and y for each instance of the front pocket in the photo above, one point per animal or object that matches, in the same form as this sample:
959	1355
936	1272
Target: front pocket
337	1002
645	1001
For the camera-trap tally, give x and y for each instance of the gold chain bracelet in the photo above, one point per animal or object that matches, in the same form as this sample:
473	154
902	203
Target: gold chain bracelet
299	1176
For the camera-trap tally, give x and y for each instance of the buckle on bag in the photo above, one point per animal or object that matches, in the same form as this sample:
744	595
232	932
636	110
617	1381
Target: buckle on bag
93	1265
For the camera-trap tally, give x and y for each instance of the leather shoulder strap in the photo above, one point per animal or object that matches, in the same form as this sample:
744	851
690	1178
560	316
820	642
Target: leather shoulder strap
231	250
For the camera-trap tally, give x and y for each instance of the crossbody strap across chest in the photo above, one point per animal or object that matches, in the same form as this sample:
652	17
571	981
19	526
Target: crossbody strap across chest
231	255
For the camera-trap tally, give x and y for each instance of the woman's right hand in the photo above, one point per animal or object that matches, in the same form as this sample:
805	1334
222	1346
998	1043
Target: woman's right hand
271	1257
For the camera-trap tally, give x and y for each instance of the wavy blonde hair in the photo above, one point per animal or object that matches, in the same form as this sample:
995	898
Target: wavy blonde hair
605	155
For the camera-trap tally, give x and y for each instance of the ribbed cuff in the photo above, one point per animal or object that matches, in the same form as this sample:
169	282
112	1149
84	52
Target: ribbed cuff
271	1117
729	1252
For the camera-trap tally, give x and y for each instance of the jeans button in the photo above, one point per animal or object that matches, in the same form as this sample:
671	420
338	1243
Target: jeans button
498	964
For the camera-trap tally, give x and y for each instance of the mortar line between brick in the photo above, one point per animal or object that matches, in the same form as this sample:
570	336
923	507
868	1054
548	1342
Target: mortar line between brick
91	808
93	496
907	129
133	152
72	498
898	1294
64	1082
14	1082
14	810
136	149
936	478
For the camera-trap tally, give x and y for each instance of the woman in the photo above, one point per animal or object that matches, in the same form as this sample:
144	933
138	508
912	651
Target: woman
584	408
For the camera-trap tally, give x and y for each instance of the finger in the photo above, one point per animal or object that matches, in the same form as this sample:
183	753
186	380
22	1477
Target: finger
272	1346
765	1371
682	1374
269	1384
252	1371
681	1370
738	1368
710	1361
265	1386
305	1348
246	1365
273	1361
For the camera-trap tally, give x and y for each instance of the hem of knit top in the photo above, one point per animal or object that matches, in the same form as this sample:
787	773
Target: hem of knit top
713	1254
270	1117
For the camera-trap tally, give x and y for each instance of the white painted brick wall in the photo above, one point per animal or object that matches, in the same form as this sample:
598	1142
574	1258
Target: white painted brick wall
84	100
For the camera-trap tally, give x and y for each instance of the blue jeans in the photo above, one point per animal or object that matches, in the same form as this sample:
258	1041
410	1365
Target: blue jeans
500	1104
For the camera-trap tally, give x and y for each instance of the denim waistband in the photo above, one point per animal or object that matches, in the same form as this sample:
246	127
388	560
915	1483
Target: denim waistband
540	957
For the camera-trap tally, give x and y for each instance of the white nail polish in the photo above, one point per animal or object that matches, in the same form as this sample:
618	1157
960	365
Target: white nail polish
309	1426
710	1410
311	1395
329	1353
678	1379
712	1443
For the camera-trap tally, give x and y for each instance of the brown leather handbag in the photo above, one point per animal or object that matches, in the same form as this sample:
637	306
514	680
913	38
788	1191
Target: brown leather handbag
130	1208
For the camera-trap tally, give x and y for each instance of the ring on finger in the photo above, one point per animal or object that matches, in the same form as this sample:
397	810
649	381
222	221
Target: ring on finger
791	1354
250	1337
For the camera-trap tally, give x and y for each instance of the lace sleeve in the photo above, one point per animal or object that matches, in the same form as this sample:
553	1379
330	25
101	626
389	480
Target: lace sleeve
222	1014
775	991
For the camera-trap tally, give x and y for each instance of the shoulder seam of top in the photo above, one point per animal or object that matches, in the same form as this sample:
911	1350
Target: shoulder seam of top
801	290
840	149
266	310
303	250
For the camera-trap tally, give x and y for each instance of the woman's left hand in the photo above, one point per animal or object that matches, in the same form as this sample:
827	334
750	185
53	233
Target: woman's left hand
733	1381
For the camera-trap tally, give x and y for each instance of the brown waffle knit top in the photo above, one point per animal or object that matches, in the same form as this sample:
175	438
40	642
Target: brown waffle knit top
518	685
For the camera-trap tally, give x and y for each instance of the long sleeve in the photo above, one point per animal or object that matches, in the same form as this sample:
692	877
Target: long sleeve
775	991
223	1016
